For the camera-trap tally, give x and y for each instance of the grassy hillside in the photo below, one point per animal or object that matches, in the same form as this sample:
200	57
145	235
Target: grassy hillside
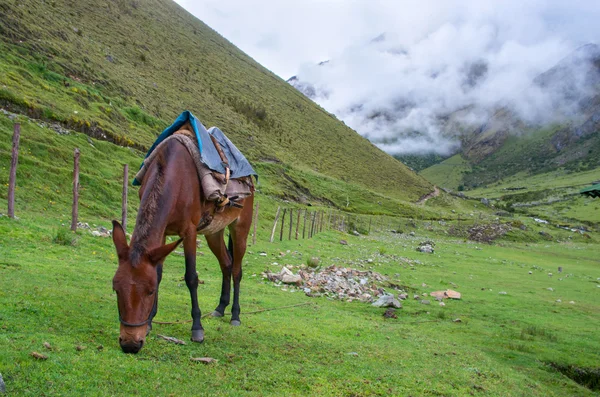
123	70
448	173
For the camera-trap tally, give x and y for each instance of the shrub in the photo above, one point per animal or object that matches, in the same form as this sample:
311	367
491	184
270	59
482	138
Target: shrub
64	237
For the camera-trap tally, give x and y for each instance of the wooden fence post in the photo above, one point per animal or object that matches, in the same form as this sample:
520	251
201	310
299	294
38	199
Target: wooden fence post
255	223
312	226
322	221
75	211
291	223
12	179
282	224
304	226
275	224
370	219
297	223
124	201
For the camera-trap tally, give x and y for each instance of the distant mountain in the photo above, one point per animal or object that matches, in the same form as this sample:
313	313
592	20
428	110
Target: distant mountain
560	128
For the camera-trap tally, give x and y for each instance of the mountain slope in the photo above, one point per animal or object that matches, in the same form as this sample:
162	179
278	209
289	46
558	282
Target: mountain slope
506	145
123	70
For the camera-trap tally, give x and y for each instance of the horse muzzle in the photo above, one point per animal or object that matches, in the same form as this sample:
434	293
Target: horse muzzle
131	346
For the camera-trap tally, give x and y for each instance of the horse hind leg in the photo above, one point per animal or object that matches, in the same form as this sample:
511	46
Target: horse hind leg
237	247
217	246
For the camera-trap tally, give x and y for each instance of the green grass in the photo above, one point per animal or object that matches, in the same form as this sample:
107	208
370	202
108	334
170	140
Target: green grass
500	347
448	173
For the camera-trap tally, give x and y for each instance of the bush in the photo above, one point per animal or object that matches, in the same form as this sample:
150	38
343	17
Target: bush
64	237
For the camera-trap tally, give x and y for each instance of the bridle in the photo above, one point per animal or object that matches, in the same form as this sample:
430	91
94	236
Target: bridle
125	323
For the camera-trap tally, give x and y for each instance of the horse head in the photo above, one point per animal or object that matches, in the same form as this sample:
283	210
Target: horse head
135	283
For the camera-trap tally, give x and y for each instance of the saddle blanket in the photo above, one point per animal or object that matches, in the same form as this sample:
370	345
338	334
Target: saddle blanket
238	164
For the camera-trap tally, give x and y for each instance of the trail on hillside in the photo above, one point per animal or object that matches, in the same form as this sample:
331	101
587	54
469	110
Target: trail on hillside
435	193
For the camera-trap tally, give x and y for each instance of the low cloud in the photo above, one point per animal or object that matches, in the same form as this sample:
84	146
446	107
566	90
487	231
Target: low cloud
396	70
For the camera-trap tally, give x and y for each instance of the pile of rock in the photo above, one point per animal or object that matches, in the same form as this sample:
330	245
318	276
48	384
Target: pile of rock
100	231
426	247
333	282
485	233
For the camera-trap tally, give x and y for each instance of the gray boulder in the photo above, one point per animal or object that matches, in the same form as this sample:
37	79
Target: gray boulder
387	300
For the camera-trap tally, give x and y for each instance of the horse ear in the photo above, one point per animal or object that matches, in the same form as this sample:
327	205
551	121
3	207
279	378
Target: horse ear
157	255
120	239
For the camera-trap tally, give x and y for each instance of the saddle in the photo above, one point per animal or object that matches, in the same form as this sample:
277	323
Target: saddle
217	187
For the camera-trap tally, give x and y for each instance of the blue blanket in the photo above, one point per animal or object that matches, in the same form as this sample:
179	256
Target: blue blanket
238	165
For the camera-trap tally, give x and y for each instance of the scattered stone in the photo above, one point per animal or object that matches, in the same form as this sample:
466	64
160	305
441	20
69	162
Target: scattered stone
38	356
558	301
100	348
343	242
457	320
2	385
352	354
439	295
390	313
572	302
549	274
560	269
411	234
442	304
425	302
502	293
354	232
550	289
530	272
291	279
387	300
79	348
416	296
262	254
47	346
403	296
203	360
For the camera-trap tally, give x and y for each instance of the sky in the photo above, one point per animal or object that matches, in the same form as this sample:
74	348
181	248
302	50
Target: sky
408	60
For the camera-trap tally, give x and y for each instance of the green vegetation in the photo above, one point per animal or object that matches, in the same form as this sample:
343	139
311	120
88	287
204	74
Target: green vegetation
119	72
449	173
503	344
122	71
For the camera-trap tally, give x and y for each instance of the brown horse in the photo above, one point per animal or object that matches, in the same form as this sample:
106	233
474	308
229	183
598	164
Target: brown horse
172	203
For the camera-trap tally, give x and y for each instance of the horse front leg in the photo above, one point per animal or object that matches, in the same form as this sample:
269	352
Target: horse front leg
159	273
217	246
191	280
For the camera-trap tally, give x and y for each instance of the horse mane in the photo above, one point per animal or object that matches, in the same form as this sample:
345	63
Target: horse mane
148	208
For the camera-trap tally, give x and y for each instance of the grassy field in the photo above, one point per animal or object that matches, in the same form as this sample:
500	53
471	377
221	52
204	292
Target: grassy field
503	345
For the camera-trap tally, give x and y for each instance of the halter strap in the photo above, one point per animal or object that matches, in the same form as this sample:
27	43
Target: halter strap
125	323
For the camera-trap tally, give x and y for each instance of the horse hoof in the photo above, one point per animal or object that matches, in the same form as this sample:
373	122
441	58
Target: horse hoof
235	323
198	335
216	314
